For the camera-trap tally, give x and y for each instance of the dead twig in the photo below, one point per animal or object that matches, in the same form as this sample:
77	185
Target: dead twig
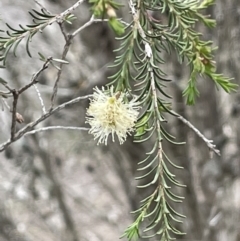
31	125
208	142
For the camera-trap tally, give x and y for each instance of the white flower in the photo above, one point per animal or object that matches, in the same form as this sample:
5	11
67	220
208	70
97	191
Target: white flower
110	113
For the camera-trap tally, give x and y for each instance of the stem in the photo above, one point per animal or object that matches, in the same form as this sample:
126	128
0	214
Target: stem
31	125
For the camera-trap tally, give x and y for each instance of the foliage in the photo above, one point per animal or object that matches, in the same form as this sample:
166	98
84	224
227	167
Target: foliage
13	37
158	27
139	60
102	8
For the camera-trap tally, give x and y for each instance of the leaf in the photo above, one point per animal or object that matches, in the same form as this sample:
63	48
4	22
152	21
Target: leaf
2	81
117	26
55	66
191	91
27	44
60	61
69	18
15	47
41	56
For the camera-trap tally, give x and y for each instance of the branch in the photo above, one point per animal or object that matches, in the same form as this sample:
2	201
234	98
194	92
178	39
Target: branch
35	76
94	20
16	116
91	21
149	54
207	141
71	9
68	39
148	49
19	35
63	31
40	99
64	54
31	125
56	127
14	112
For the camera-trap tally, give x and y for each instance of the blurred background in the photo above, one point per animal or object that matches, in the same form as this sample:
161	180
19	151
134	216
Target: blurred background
59	186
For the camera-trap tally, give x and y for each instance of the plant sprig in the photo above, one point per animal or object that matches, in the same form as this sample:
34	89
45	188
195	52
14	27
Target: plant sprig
139	60
11	38
179	34
102	8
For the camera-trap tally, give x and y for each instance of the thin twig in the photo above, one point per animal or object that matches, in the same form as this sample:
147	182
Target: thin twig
71	9
55	128
94	20
208	142
91	21
68	39
148	49
14	112
8	88
15	95
64	54
63	31
34	79
31	125
40	99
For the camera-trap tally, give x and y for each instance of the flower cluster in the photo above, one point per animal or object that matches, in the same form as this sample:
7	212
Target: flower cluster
111	113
